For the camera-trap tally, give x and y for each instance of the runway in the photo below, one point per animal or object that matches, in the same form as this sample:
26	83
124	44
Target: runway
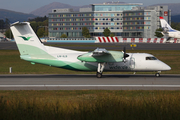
108	46
89	82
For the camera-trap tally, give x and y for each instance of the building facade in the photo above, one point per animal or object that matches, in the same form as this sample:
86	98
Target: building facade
123	20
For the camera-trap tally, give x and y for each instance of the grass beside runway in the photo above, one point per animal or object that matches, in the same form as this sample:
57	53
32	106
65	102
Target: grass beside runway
90	105
11	58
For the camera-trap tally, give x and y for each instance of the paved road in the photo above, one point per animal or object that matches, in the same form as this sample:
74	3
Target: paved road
86	82
108	46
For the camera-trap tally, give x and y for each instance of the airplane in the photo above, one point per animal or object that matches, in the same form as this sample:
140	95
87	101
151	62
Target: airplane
33	50
168	31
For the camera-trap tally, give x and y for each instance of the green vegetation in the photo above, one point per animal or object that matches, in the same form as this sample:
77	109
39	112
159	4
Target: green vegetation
4	24
63	36
112	35
85	32
176	25
90	105
158	33
40	26
10	58
106	32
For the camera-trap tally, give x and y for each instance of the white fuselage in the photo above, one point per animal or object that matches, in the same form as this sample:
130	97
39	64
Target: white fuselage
135	62
138	62
174	34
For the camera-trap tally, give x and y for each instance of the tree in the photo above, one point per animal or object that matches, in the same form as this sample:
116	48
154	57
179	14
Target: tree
158	33
38	19
63	36
111	35
85	32
8	34
34	26
41	32
38	23
175	25
2	24
106	32
7	23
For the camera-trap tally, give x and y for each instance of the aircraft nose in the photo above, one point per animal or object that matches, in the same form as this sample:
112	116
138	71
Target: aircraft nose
166	67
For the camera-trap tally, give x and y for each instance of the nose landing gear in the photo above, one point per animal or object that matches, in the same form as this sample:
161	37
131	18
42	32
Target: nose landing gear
158	74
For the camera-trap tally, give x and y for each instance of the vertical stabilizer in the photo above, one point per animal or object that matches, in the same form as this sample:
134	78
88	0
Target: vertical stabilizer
27	41
164	24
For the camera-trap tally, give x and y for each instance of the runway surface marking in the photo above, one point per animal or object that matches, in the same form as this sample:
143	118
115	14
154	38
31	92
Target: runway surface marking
89	85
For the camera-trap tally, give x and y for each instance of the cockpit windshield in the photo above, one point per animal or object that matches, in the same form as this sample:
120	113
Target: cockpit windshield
151	58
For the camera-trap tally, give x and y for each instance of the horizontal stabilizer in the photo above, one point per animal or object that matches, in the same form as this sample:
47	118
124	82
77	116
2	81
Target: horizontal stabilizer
19	23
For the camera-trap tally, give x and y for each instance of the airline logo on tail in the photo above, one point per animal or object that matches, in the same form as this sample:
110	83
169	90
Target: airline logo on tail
25	38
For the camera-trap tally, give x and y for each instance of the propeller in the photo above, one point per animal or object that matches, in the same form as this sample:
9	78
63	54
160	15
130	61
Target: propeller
125	55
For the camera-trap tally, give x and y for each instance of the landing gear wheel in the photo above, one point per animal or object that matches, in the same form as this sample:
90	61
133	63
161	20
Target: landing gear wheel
157	75
99	75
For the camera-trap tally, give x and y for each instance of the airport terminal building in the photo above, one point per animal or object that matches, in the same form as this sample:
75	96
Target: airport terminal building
127	20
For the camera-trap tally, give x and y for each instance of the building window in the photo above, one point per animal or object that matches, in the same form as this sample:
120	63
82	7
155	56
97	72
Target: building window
125	28
147	18
147	13
147	23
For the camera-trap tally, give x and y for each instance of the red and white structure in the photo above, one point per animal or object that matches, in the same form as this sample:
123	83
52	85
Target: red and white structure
132	40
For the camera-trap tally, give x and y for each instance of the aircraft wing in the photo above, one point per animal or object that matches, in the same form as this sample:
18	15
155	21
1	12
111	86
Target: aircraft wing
102	55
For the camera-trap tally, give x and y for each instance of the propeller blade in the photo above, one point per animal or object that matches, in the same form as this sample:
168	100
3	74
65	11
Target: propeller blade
125	55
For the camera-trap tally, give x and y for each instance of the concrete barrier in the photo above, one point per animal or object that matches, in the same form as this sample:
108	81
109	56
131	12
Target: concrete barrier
111	40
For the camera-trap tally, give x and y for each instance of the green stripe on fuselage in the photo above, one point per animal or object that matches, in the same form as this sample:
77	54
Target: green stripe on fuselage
62	64
37	55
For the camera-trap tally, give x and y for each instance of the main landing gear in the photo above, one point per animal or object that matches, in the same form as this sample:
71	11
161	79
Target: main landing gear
100	70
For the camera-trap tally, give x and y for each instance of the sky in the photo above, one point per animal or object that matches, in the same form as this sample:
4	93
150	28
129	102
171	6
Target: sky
27	6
